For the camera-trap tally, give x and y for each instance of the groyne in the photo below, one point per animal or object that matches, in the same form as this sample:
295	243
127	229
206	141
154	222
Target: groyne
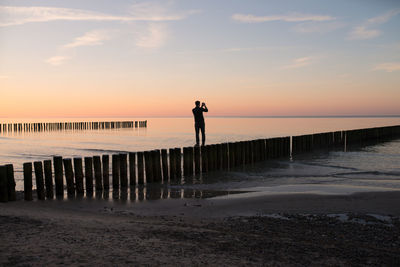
128	170
62	126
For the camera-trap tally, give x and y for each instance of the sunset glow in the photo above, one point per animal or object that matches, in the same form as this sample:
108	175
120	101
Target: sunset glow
155	58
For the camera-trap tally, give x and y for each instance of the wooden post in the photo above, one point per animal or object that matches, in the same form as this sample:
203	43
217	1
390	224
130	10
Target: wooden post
106	171
39	180
148	166
186	171
10	183
97	173
28	181
197	160
140	168
48	179
3	184
132	168
204	159
225	156
78	176
58	176
211	157
178	162
157	165
231	155
123	161
172	164
115	171
69	177
89	175
164	161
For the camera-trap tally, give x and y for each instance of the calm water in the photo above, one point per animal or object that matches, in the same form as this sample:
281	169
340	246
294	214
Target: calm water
369	168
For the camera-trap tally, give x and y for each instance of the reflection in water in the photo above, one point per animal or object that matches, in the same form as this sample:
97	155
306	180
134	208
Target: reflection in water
153	192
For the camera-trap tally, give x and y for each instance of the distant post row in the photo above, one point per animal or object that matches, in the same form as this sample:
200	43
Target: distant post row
162	166
60	126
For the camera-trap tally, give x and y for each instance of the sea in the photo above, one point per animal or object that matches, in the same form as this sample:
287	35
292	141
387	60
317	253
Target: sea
340	171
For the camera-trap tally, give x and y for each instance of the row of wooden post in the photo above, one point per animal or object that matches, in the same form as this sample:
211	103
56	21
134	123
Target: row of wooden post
310	142
55	126
137	168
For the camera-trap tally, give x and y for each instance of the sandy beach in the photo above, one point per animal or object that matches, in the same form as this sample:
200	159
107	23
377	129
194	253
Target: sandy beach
278	230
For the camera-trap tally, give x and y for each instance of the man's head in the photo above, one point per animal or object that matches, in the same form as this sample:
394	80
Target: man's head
197	103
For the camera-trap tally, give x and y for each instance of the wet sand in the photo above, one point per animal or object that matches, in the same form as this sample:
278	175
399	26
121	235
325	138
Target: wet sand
289	230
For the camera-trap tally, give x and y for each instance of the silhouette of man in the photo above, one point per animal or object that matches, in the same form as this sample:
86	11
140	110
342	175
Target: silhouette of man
199	122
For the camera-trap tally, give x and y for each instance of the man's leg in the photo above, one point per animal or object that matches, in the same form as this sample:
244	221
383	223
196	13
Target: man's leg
197	128
203	134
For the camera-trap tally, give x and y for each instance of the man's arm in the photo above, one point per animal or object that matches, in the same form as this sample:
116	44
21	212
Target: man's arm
205	109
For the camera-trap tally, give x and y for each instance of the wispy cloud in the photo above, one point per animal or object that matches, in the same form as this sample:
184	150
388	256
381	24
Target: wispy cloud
384	17
3	77
91	38
56	60
155	35
293	17
318	27
13	15
388	66
364	31
298	63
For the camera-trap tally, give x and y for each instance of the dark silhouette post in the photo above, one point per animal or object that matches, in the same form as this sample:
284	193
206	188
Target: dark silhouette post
199	124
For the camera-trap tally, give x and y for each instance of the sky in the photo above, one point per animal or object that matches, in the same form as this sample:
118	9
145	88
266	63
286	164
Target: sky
115	58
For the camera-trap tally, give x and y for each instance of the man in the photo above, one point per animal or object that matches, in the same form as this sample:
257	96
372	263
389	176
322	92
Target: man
199	122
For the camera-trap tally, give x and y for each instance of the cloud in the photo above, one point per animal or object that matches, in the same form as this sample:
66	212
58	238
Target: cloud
154	36
384	17
3	77
57	60
294	17
362	33
12	15
318	27
91	38
388	66
298	63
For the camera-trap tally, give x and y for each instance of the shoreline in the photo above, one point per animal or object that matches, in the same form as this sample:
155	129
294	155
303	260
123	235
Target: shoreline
290	230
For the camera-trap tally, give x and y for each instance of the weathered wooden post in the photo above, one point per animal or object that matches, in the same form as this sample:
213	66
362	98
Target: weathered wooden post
204	159
48	179
186	170
157	165
172	164
39	180
197	160
3	184
225	156
211	157
89	175
148	166
164	161
78	171
106	171
132	168
191	160
10	183
28	181
69	177
58	176
115	171
231	151
140	168
97	173
123	161
178	162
